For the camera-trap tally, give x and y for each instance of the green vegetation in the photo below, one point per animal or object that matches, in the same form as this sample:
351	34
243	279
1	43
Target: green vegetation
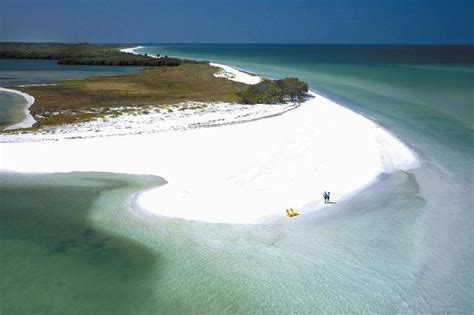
84	99
83	54
171	81
71	101
275	91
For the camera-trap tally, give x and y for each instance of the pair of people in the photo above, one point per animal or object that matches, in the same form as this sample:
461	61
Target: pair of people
327	197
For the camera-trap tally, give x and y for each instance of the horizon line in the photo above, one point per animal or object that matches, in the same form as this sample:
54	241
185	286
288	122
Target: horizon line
242	43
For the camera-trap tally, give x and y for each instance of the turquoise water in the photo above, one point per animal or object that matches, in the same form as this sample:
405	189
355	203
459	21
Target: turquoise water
24	71
55	260
404	244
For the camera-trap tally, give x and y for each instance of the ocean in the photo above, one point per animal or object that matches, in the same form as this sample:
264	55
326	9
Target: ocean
73	243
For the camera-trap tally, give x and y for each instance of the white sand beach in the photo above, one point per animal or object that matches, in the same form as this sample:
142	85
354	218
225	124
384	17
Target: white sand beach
131	50
235	75
28	120
136	121
235	173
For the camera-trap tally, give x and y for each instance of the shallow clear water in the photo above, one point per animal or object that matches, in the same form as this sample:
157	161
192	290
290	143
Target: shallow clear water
54	258
11	105
403	245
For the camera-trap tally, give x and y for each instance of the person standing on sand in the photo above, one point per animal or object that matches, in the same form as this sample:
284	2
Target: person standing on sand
325	197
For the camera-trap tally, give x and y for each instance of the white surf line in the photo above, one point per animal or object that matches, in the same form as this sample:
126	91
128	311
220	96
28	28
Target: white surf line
28	120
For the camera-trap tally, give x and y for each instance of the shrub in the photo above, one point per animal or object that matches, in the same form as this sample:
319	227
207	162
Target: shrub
275	91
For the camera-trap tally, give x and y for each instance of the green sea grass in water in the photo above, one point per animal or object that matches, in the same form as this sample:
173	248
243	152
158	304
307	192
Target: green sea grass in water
74	243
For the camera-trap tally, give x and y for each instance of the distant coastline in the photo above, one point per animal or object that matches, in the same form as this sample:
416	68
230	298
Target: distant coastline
84	54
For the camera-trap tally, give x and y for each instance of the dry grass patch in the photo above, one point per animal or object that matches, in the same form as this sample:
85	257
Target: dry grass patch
157	86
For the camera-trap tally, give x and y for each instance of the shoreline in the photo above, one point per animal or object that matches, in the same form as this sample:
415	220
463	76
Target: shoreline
236	75
131	50
394	155
253	170
28	120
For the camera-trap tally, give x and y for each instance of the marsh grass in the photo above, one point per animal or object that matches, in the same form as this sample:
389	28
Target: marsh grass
157	86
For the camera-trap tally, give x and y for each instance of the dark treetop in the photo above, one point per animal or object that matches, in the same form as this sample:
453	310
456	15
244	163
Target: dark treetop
82	54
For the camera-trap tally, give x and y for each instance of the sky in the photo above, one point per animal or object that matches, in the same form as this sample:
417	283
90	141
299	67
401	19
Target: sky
239	21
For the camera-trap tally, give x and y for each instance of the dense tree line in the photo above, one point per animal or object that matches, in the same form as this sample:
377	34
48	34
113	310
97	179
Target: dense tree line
275	91
161	62
82	54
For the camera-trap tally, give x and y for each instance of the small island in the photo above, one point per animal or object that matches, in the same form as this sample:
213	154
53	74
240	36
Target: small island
163	82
